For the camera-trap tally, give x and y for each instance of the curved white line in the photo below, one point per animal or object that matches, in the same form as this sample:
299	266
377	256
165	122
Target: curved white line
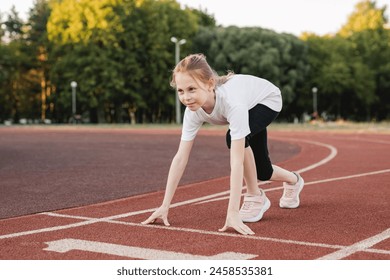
332	155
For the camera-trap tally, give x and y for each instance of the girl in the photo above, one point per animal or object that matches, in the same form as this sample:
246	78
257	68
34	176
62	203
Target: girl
248	104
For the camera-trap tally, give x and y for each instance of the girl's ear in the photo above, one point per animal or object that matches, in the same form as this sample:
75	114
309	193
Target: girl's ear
211	84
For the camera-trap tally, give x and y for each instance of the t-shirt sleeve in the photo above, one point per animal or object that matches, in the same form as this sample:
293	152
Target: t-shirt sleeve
191	125
238	119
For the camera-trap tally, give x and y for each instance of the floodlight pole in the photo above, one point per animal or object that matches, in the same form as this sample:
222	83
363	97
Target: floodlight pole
177	43
314	90
73	84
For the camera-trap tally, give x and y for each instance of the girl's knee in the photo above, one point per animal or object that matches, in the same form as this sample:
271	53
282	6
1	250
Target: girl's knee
265	173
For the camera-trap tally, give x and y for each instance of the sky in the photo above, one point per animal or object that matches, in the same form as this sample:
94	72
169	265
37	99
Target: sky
291	16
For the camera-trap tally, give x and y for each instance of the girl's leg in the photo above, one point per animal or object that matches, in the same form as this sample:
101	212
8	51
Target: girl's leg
292	183
250	173
258	144
264	169
283	175
259	118
255	202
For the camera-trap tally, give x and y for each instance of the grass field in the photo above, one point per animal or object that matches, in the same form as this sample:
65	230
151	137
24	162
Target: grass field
340	126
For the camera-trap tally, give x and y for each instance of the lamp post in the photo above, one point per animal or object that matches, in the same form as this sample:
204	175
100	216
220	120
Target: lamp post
177	43
73	85
314	90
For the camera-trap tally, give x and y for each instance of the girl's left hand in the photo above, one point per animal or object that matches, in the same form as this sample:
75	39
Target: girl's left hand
233	220
160	213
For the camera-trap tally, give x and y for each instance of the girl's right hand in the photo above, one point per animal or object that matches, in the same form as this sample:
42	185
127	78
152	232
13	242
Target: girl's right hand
233	220
160	213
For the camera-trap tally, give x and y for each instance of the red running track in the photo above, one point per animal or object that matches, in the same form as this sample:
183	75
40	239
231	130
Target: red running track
344	214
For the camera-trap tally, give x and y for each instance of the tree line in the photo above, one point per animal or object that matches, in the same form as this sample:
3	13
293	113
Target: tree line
120	54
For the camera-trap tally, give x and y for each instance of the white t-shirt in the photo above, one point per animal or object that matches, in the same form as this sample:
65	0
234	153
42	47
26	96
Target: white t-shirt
233	101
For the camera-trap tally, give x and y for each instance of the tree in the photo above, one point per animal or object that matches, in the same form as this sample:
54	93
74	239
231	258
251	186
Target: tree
17	78
204	18
280	58
84	34
39	45
348	66
161	21
13	26
366	16
367	32
121	55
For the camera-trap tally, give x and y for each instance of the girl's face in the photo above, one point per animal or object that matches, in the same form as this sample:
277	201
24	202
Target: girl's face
194	93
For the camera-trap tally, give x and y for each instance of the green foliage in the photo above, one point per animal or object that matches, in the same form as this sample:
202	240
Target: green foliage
280	58
120	54
203	18
16	74
365	17
14	25
38	49
347	67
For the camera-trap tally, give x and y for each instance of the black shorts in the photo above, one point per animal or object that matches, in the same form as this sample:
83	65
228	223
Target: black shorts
260	117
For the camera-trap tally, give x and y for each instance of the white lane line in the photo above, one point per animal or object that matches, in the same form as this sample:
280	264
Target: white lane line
310	183
66	245
357	247
200	231
49	229
332	155
235	235
377	251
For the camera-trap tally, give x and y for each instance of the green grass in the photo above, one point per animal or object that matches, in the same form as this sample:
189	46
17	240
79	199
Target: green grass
351	127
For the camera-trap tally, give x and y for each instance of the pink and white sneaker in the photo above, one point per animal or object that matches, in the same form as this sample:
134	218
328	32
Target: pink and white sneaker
254	207
290	198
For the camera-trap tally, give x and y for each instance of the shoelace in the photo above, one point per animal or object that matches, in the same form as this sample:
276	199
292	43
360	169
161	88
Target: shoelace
248	205
290	193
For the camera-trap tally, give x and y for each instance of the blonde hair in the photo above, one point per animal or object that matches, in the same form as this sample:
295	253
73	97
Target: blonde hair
198	68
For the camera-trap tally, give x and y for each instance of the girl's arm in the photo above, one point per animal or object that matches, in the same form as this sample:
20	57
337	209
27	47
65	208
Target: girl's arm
233	219
176	171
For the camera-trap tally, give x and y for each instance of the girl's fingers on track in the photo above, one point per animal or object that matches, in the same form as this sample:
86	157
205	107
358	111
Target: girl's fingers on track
160	213
234	221
245	230
248	230
240	230
165	220
223	229
152	219
148	221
